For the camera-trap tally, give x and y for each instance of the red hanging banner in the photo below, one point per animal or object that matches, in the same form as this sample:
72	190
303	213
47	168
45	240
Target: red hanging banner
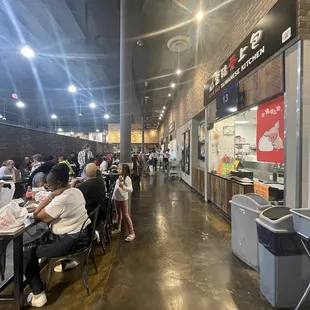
270	131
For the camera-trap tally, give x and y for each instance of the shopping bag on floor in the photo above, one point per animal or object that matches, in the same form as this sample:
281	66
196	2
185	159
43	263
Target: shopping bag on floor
12	217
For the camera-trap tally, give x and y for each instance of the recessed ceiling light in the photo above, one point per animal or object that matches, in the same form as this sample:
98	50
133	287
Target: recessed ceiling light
27	51
97	130
199	16
1	116
20	104
106	116
160	117
241	122
71	133
254	109
178	72
80	114
169	95
60	130
233	110
53	116
164	107
4	118
92	105
173	85
72	89
163	111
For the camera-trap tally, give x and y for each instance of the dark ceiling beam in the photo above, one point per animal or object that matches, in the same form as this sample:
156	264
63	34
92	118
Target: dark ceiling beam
84	35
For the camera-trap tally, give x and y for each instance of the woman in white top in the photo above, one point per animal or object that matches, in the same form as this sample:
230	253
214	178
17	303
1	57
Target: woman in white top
123	186
104	165
64	210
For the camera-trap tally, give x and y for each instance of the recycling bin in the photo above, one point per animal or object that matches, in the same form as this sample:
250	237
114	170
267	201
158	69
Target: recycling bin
245	209
284	267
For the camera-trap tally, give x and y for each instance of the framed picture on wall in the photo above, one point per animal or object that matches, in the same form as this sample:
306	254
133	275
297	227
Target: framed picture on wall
228	131
187	152
183	152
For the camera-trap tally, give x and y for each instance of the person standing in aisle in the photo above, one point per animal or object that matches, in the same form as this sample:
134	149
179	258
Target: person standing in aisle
123	186
156	156
84	156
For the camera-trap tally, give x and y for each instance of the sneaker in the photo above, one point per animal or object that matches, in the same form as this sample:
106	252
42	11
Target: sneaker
116	231
69	265
37	300
130	238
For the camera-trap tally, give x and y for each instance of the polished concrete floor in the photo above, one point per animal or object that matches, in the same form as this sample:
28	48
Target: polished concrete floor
181	258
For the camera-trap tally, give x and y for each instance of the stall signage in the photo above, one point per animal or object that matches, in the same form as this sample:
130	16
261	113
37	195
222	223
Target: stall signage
227	101
273	31
172	127
270	131
261	190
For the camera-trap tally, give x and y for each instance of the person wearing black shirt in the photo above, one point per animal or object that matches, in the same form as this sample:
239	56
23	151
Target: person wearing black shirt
38	176
93	189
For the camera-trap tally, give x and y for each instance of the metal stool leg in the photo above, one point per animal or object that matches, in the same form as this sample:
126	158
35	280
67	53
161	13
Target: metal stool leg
305	295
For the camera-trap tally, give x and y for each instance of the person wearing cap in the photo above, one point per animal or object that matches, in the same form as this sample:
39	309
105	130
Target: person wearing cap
93	188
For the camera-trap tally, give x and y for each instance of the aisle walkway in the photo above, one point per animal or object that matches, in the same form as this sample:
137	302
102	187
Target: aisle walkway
181	259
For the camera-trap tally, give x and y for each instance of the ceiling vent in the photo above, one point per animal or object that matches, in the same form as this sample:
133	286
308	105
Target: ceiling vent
179	44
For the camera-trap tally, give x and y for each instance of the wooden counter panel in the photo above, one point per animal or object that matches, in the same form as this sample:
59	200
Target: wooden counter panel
198	180
221	190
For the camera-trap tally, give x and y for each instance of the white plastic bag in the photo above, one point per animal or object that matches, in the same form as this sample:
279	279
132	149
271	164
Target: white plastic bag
12	217
6	194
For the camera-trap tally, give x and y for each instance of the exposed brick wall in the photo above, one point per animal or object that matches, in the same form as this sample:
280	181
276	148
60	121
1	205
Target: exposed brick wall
17	142
189	98
303	19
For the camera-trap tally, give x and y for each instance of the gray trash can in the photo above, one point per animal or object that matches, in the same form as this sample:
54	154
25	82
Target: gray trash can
245	209
284	267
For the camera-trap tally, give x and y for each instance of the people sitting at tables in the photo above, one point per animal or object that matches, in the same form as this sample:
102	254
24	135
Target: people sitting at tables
25	167
64	209
89	161
84	156
63	160
7	169
104	165
37	162
98	160
93	189
38	177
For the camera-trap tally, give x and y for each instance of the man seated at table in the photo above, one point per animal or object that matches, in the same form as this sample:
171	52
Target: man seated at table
93	189
64	209
63	160
7	169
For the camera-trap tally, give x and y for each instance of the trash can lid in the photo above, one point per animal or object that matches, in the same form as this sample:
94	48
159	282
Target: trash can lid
277	219
251	202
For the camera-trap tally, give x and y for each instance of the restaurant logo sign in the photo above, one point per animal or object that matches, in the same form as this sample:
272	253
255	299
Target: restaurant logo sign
172	127
273	31
270	131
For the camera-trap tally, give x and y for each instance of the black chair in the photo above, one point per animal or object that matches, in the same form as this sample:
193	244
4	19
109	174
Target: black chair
81	256
104	227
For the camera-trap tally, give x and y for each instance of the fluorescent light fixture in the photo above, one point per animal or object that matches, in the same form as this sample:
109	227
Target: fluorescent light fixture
92	105
27	51
60	130
53	116
97	130
1	116
80	114
72	89
106	116
233	109
169	95
71	133
20	104
241	122
199	16
173	85
178	72
254	109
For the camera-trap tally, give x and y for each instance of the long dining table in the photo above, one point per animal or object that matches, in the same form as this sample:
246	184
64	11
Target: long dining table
18	266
